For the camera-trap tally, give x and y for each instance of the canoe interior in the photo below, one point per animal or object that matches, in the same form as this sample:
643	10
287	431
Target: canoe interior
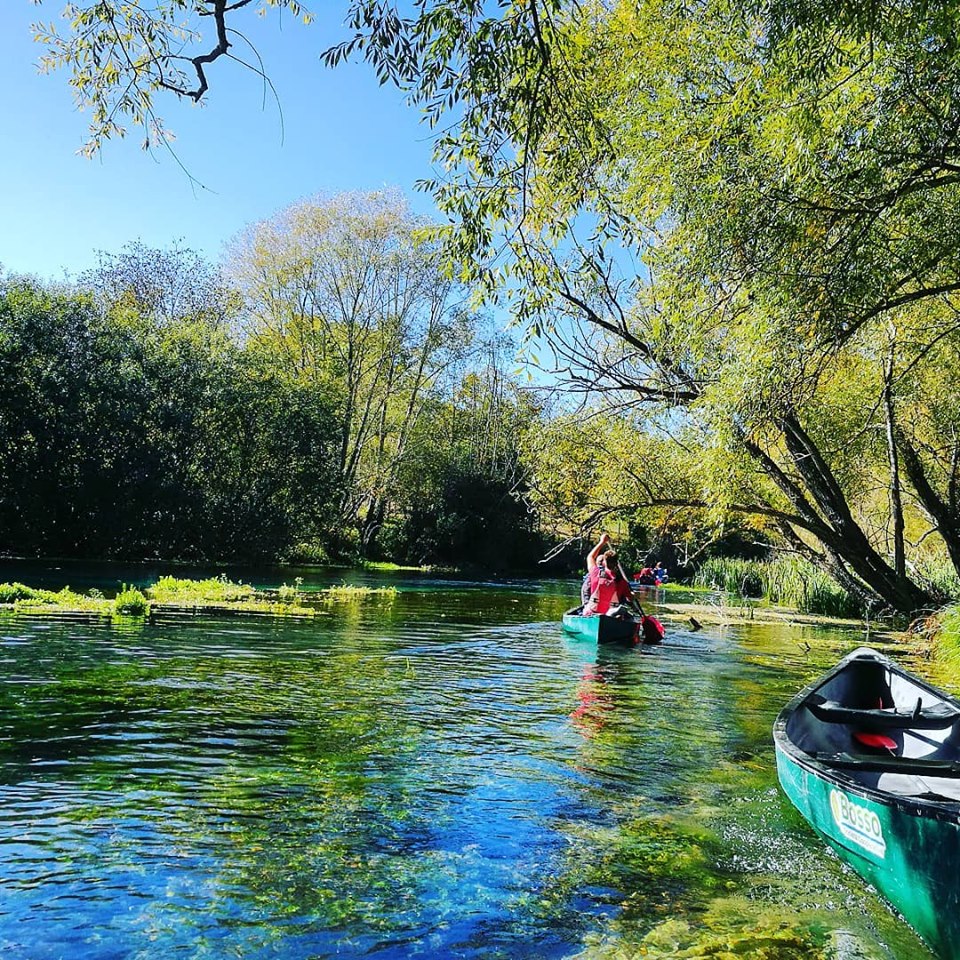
880	726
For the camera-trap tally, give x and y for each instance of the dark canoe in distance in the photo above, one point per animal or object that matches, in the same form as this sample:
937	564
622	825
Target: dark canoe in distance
603	629
870	755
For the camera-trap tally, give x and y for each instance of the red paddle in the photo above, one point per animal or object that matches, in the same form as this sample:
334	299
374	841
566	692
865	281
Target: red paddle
650	627
877	740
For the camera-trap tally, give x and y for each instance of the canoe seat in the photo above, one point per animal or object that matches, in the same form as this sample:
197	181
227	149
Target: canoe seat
887	764
938	716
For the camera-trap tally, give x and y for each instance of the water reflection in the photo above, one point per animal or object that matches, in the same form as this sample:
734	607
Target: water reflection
446	774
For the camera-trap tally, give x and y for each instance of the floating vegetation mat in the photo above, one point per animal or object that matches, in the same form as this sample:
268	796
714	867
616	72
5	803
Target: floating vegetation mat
172	594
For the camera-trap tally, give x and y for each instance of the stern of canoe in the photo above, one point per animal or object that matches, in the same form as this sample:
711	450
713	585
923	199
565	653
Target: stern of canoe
587	628
600	629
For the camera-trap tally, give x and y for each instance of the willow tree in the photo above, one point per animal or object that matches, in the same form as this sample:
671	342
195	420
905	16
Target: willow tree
349	297
717	210
794	217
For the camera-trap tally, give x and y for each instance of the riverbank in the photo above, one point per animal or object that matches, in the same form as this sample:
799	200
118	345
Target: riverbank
223	594
734	611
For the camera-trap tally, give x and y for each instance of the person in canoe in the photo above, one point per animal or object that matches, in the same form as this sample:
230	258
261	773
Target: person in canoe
605	581
651	576
644	577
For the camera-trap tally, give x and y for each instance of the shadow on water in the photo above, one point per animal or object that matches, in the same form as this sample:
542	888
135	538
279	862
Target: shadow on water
443	773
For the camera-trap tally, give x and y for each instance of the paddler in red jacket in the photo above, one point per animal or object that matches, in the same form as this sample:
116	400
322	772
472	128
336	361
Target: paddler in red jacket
606	581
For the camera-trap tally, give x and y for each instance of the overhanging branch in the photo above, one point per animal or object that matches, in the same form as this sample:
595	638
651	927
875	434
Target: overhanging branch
219	11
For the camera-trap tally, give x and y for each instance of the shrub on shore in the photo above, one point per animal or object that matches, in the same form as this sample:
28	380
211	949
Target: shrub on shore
212	590
946	634
347	591
23	598
12	592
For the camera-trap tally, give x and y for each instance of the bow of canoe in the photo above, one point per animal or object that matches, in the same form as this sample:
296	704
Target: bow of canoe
870	756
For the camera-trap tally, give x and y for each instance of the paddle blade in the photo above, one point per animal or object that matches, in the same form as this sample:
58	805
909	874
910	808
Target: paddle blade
652	629
876	740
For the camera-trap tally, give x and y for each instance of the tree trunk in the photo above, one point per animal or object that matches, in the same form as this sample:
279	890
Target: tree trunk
833	564
823	509
946	519
848	539
896	500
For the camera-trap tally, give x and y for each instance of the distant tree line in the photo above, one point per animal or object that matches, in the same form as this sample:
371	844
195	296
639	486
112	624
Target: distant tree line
325	394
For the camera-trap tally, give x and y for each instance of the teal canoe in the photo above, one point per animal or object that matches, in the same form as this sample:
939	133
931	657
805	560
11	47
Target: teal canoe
602	629
870	755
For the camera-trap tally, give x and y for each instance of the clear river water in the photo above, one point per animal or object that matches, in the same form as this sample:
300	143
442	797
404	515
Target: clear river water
438	773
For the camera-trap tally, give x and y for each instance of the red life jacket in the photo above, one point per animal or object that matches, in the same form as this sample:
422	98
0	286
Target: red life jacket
605	588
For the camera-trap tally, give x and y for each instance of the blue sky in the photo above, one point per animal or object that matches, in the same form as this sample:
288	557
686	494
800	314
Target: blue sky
341	131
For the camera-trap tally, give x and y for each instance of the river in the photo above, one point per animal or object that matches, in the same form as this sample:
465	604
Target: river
439	773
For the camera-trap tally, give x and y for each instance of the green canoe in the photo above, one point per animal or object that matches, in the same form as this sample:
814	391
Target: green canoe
870	755
602	629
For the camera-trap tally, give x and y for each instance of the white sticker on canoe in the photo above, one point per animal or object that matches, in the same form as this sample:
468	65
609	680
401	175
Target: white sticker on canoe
858	824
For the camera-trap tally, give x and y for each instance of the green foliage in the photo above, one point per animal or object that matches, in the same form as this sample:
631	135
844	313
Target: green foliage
346	292
777	173
474	520
669	492
462	496
742	578
214	593
348	592
222	594
940	575
26	599
11	592
130	602
790	581
309	553
134	424
140	434
948	636
215	589
745	215
121	55
162	288
290	594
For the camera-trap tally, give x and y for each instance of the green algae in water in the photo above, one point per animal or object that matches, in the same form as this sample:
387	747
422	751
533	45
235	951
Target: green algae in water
729	929
693	898
681	902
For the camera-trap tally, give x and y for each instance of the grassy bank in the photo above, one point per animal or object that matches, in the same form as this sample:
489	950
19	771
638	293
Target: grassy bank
784	581
945	632
175	594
